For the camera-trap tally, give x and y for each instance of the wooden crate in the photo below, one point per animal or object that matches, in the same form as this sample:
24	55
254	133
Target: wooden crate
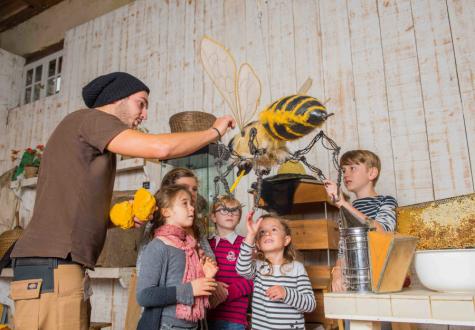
318	315
320	276
314	234
308	197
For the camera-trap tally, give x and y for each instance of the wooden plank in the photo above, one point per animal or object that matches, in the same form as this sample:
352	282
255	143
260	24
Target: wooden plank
320	276
282	62
450	161
374	127
405	103
314	234
309	63
338	75
158	73
176	49
461	13
235	20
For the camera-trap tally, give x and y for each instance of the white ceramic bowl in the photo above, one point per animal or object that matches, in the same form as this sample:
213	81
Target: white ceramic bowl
447	270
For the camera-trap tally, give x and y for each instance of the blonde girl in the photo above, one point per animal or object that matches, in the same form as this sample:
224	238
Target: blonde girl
282	289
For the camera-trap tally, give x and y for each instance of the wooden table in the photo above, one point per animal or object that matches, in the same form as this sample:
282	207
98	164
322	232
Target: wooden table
367	310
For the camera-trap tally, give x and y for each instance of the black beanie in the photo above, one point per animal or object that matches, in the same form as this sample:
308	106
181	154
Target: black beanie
111	87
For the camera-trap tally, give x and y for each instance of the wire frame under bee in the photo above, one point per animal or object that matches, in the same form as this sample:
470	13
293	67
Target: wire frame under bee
441	224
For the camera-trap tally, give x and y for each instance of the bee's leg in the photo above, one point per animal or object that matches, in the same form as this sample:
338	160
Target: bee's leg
260	172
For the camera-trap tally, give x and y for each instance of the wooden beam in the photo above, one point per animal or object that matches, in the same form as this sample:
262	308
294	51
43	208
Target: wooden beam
30	9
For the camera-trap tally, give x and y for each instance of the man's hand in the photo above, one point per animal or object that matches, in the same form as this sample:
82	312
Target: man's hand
337	280
224	123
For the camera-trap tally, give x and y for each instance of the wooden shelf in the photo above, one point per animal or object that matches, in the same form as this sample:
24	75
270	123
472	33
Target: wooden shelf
24	183
314	234
408	306
122	274
130	164
125	165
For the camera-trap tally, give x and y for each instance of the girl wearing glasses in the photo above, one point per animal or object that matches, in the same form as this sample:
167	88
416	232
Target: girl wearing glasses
282	289
231	298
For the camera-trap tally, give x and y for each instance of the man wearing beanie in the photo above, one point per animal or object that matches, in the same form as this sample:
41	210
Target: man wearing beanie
68	227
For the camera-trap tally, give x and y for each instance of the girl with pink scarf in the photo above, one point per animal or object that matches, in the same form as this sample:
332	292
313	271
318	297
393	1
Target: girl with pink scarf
173	283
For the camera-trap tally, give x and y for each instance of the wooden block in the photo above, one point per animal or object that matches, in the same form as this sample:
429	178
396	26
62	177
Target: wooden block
414	307
318	315
339	304
308	196
364	325
453	307
390	258
320	276
134	311
307	192
314	234
374	305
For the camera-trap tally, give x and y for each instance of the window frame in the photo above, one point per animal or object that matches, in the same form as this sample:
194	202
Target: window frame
43	81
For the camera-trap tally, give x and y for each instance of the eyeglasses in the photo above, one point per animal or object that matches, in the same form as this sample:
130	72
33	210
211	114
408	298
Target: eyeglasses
226	211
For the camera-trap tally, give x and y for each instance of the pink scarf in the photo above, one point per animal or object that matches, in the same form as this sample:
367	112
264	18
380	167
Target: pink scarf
178	237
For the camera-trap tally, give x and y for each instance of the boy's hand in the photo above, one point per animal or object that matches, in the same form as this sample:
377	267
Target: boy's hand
210	267
337	280
252	228
276	292
332	191
203	286
220	295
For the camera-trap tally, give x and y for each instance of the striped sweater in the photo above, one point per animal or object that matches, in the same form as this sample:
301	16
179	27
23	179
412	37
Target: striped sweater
380	208
299	299
234	309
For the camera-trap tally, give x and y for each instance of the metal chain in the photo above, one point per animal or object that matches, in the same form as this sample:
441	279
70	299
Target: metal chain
260	171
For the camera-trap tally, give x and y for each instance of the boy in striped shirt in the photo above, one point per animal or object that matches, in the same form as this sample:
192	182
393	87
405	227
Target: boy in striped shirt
230	302
361	170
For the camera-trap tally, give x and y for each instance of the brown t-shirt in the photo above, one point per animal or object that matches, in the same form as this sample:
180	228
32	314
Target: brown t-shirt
74	190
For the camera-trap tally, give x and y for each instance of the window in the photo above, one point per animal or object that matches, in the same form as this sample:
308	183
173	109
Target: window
42	77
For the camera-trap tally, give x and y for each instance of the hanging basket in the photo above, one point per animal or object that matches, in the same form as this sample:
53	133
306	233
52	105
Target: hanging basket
190	121
31	171
9	237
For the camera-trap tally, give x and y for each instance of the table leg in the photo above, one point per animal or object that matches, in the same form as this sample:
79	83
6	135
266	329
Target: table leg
364	325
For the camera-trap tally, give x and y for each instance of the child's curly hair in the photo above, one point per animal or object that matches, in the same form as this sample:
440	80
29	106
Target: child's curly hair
290	253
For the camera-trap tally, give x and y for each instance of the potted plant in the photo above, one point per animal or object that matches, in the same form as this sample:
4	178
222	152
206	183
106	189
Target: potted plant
29	162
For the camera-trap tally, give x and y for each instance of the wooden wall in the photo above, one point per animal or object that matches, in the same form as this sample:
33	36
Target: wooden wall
400	76
11	67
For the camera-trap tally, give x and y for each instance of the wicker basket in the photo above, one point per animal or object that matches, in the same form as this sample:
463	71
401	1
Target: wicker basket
190	121
9	237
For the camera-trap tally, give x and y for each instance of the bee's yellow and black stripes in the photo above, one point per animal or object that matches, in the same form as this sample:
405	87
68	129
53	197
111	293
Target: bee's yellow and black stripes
293	116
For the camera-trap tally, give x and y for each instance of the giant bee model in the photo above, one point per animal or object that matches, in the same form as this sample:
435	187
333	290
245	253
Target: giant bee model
260	144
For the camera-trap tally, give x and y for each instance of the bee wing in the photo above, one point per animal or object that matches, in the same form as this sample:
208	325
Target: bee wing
220	66
305	86
249	93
